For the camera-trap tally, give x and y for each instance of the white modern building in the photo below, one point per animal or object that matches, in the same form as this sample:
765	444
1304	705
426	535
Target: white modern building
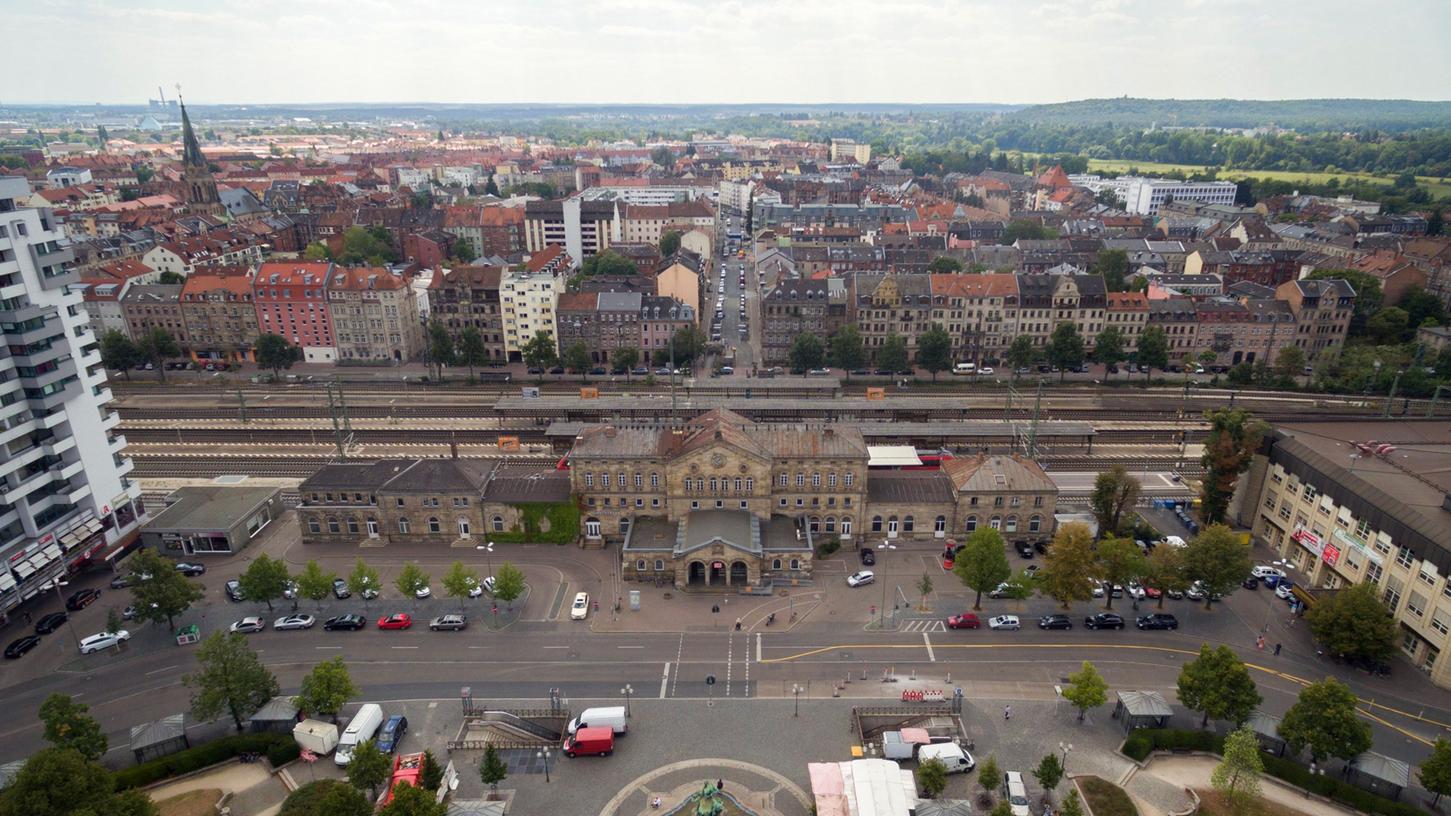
1144	196
65	499
650	195
529	295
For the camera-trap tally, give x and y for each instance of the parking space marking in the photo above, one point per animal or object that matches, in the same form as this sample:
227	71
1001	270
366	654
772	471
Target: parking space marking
664	679
924	626
159	671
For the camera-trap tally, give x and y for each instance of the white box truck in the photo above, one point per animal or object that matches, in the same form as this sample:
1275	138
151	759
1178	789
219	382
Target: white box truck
363	726
900	745
316	736
951	754
612	717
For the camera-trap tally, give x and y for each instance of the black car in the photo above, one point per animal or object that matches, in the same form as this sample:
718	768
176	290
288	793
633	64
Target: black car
50	623
340	589
1250	583
191	570
1158	620
82	599
597	371
234	590
21	645
1055	622
1104	620
868	557
121	581
557	370
535	370
1041	547
351	623
883	372
1024	549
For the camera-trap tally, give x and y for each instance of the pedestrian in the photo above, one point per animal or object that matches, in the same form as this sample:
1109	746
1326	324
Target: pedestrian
738	624
1277	650
720	784
1260	643
1007	712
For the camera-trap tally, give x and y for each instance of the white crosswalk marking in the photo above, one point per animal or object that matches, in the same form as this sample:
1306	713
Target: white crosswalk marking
924	625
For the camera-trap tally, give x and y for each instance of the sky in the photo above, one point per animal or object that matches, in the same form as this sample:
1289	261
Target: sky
714	51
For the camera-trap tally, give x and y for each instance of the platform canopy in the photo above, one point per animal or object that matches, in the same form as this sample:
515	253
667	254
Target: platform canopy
892	456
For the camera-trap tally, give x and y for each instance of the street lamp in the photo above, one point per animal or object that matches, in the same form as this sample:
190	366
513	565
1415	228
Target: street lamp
544	755
796	692
1065	747
627	691
882	610
488	551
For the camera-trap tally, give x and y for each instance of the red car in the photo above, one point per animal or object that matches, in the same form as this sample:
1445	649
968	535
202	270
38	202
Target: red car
1151	593
966	620
402	620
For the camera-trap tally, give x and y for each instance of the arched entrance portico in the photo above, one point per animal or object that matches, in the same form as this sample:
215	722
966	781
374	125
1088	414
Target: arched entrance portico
740	575
717	573
696	575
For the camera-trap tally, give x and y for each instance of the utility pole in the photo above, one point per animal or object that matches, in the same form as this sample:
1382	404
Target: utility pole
1033	425
1390	398
1435	397
339	413
241	406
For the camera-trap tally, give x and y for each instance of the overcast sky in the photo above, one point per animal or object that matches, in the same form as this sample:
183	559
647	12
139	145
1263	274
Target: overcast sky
666	51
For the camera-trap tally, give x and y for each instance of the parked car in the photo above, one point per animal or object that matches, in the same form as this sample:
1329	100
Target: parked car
860	578
294	622
191	570
1004	622
234	590
1006	589
423	592
448	623
249	624
966	620
50	623
1024	549
82	599
340	589
868	556
103	640
350	623
1265	570
1055	622
391	734
1158	620
1284	590
399	620
20	646
579	610
122	581
1250	583
1103	620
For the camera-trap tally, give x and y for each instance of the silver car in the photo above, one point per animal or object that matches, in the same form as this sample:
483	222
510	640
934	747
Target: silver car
294	622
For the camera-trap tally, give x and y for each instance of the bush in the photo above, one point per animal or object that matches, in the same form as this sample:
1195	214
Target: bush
306	800
280	746
827	547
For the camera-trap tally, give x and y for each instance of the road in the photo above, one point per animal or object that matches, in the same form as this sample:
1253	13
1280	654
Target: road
734	293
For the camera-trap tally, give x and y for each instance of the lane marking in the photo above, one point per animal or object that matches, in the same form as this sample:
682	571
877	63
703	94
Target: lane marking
758	647
404	647
321	648
554	647
730	660
629	647
664	678
679	653
159	671
928	642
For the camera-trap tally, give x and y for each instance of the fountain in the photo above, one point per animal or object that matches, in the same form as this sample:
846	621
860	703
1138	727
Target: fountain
710	801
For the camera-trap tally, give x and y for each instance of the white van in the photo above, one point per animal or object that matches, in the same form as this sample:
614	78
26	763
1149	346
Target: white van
611	716
951	755
964	368
1175	541
363	726
1017	794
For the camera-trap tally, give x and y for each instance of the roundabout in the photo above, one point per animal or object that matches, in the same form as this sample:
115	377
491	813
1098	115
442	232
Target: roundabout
745	789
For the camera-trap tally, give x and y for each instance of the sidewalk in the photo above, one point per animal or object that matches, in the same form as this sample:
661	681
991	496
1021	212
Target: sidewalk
1148	786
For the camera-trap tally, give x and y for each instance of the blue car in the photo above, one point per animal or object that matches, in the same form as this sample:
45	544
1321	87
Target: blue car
391	734
1270	581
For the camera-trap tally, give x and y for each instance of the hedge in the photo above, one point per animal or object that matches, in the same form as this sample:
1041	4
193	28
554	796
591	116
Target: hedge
1143	741
563	525
279	748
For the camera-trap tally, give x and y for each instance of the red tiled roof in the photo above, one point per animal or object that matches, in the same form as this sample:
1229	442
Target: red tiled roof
198	284
1128	301
363	278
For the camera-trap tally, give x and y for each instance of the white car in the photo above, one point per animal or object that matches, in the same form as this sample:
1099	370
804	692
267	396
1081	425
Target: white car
103	640
423	592
985	371
1284	590
860	578
294	622
1265	571
474	589
1135	591
249	624
579	610
1004	622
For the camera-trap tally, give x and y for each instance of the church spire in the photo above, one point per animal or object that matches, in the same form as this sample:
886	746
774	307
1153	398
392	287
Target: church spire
196	176
191	153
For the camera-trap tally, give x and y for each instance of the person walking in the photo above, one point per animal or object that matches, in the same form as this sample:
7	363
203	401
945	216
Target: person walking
720	784
1007	712
1277	650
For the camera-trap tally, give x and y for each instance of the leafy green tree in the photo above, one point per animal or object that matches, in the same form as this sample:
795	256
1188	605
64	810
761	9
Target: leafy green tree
663	156
463	252
1153	350
364	580
1071	568
274	352
1217	684
367	246
932	777
989	775
471	349
1119	562
118	353
625	359
69	724
508	582
229	679
265	579
492	188
432	775
369	768
1435	773
411	801
1065	348
1021	354
1086	689
686	346
170	278
1114	491
1023	229
326	689
1049	771
1388	326
1421	306
316	252
62	782
326	797
1237	776
1164	570
1072	804
924	588
934	350
669	243
1323	719
1234	437
157	346
1113	265
983	563
539	351
492	769
944	265
440	348
847	350
1218	560
411	579
892	355
1108	347
576	359
315	583
459	581
161	593
609	263
1353	622
806	353
1290	362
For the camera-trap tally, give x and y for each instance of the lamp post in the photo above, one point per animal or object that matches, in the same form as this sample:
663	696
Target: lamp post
882	610
544	755
488	551
796	692
627	691
1065	747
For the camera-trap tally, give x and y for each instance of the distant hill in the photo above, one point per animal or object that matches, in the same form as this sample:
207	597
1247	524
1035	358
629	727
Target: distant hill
1299	114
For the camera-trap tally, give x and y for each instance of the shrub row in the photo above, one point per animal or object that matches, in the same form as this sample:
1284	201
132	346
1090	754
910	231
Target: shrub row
279	749
1143	741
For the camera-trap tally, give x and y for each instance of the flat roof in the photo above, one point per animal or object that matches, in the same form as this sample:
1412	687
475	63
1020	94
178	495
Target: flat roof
209	507
892	456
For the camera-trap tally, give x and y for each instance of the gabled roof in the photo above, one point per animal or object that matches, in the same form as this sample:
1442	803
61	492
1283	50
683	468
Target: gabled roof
997	474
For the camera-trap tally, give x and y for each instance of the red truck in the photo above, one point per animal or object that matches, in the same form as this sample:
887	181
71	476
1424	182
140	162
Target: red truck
599	741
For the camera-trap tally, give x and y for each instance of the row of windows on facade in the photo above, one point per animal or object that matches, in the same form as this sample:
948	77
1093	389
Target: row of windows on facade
357	498
717	485
335	525
641	565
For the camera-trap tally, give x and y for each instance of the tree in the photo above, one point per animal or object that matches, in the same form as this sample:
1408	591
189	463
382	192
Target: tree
369	768
1323	719
317	252
1108	348
983	563
68	724
471	349
625	359
892	354
411	801
609	263
847	350
934	350
1218	560
367	246
1353	622
576	359
463	252
924	588
440	351
1435	773
508	582
492	188
274	352
265	579
1153	350
326	689
411	579
1388	326
364	580
1237	776
1021	354
1086	689
539	351
1070	569
314	583
669	243
989	775
492	769
432	775
1113	265
102	137
170	278
326	797
1233	440
62	782
1119	562
1114	491
1164	570
932	777
1065	348
160	591
944	265
806	353
459	581
229	679
156	347
663	156
1049	771
1290	362
686	346
118	353
1217	684
1421	306
1072	804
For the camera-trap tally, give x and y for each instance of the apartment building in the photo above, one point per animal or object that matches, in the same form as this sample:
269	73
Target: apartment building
291	299
583	227
65	499
604	322
374	316
640	223
793	307
1322	310
978	311
467	297
155	306
528	295
220	317
1129	313
1179	320
884	305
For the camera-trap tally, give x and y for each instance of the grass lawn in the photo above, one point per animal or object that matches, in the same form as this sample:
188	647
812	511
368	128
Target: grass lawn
1105	798
1213	803
1436	187
192	803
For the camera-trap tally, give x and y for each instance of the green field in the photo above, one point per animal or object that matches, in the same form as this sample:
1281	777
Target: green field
1438	188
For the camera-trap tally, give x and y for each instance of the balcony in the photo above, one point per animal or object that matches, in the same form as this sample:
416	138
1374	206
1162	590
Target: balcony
115	443
73	469
24	485
125	466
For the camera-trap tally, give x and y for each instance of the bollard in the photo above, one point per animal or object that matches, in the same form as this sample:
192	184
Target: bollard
848	677
949	678
914	675
864	673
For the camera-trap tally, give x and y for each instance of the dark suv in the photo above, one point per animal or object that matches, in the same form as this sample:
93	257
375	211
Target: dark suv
868	557
1158	620
1055	622
82	599
1104	620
